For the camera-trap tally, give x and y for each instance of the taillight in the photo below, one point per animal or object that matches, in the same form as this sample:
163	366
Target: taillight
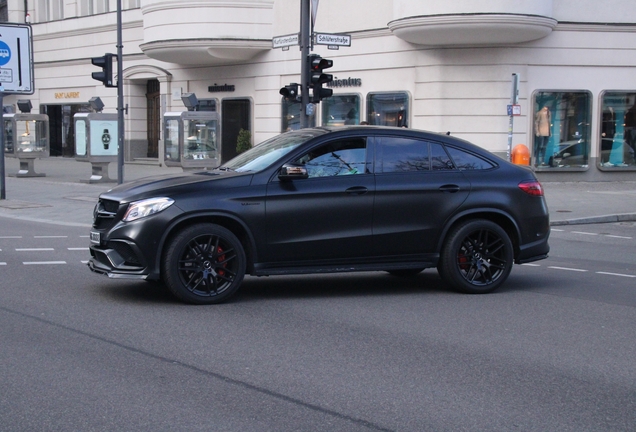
531	187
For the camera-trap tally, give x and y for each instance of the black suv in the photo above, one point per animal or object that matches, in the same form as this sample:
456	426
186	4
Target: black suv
326	200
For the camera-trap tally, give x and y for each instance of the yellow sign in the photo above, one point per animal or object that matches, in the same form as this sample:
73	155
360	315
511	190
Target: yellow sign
67	95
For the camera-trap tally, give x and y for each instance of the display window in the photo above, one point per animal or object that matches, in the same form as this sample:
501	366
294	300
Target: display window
388	109
200	139
291	116
340	110
617	139
561	130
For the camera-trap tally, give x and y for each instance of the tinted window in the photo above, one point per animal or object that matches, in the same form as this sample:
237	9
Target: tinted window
468	161
344	157
402	155
440	161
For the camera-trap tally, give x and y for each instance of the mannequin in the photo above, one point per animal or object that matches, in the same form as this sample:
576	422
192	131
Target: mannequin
542	126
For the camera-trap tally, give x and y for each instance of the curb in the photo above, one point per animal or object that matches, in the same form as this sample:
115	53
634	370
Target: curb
626	217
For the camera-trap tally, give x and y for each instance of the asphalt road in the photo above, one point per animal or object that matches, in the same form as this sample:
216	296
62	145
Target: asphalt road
553	350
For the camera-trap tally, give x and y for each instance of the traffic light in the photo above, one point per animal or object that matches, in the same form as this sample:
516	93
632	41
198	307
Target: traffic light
316	78
290	92
106	75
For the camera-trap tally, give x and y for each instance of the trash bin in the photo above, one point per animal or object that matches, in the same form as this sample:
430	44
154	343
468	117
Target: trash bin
521	155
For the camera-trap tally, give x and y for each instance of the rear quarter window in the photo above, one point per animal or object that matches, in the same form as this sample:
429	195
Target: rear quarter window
467	161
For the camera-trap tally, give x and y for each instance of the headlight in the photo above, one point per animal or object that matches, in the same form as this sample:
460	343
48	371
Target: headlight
147	207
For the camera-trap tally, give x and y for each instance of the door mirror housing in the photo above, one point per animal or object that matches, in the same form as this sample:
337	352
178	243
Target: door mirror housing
292	171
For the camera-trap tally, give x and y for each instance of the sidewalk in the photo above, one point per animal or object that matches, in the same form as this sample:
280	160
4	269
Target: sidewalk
64	197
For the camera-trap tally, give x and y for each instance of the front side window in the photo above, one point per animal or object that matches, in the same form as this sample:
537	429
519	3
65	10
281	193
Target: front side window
561	129
618	130
388	109
344	157
339	110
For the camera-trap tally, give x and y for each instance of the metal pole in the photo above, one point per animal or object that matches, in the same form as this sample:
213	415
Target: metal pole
120	100
513	101
3	191
304	69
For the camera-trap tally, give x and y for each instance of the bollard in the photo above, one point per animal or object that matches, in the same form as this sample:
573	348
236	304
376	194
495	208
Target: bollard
520	155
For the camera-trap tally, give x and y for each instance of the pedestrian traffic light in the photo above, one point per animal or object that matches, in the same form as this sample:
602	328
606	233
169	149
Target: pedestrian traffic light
106	75
290	92
316	78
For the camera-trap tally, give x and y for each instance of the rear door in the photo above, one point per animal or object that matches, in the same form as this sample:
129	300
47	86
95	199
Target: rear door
417	189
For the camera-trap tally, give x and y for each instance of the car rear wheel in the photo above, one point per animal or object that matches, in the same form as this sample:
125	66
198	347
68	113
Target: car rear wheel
477	257
204	264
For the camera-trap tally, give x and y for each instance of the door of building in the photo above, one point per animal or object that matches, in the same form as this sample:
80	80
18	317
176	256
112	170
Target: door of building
153	103
235	115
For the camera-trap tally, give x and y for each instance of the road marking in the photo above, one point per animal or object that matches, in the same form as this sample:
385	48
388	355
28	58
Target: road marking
78	249
617	274
43	262
49	237
531	265
84	262
555	229
567	269
584	233
84	236
34	249
3	263
619	237
10	237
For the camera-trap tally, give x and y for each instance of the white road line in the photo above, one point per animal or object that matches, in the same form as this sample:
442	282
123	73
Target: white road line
78	249
3	263
531	265
84	262
555	229
584	233
617	274
84	236
49	237
34	249
43	262
10	237
566	268
620	237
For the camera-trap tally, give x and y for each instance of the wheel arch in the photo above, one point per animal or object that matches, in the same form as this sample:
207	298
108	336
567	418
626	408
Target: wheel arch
497	216
235	225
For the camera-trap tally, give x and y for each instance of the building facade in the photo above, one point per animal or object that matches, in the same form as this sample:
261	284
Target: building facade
425	64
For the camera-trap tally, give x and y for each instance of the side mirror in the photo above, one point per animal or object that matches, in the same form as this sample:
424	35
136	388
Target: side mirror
293	172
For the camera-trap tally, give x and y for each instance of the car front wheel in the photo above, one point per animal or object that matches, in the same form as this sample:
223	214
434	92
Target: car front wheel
204	264
477	257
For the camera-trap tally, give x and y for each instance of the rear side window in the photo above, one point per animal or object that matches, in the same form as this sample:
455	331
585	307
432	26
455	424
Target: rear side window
402	155
468	161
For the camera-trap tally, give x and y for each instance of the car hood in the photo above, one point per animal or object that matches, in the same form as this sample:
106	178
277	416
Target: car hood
174	184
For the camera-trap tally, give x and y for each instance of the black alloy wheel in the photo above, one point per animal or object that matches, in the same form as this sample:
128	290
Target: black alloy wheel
477	257
204	264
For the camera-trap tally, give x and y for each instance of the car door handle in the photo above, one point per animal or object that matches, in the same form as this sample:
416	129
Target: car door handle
357	190
450	188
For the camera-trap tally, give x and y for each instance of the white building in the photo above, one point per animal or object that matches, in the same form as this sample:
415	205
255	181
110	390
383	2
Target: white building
425	64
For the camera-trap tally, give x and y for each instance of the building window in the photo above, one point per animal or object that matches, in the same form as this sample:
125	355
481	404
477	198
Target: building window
618	130
132	4
341	110
50	10
388	109
93	7
561	129
4	13
291	116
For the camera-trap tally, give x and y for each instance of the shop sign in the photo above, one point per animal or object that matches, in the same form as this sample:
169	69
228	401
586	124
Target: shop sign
67	95
221	88
347	82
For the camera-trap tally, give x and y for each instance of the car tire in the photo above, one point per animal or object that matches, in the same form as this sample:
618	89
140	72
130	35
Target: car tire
477	257
204	264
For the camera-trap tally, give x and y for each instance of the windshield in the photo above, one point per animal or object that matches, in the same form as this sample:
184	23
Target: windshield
266	153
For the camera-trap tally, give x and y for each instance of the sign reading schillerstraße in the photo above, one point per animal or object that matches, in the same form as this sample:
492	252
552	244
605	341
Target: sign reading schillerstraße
332	39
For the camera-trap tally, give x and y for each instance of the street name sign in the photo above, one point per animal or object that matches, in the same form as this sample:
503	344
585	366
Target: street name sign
332	39
285	41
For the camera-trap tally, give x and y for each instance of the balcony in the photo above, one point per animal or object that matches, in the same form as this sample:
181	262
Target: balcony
478	22
206	32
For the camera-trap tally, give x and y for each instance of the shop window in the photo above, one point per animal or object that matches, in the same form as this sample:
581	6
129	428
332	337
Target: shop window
388	109
341	110
561	130
50	10
618	130
291	116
